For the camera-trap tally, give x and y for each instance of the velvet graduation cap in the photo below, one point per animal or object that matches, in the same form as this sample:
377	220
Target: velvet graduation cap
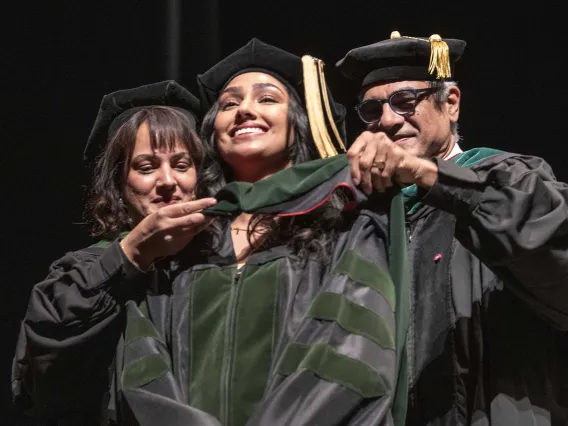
117	107
303	77
402	58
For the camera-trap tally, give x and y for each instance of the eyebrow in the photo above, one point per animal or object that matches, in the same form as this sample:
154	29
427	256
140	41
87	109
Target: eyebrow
177	156
397	90
256	86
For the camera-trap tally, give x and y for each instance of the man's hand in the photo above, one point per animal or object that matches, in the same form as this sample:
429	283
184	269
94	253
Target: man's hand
376	161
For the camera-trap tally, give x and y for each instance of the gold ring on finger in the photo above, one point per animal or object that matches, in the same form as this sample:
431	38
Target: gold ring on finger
379	165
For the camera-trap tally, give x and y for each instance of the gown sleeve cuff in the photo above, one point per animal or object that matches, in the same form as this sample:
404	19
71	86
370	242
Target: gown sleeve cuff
456	190
131	281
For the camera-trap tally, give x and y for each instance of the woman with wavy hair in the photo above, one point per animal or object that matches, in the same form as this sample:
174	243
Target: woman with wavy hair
142	205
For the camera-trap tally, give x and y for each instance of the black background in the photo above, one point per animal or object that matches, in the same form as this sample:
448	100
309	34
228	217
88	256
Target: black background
59	59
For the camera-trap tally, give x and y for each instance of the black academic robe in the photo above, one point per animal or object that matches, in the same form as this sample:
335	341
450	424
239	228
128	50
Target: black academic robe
487	344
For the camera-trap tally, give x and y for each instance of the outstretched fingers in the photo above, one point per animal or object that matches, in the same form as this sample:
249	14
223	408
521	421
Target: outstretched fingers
187	208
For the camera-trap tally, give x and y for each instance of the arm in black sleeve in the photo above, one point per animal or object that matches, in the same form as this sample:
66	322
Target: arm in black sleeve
513	214
70	331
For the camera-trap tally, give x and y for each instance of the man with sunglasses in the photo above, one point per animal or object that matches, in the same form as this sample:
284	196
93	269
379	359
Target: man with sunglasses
487	241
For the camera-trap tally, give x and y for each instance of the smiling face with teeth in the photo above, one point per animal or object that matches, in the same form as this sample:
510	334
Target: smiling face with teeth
251	127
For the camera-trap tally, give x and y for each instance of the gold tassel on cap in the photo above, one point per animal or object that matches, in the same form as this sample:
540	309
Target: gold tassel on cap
439	54
439	57
315	89
330	119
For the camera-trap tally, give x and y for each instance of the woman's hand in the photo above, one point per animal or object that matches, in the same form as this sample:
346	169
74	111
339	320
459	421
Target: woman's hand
166	231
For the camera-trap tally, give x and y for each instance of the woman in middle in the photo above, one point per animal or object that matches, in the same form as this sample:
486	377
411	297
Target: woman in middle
291	317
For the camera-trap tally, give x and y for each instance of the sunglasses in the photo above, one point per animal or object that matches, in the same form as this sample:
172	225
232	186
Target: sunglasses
402	102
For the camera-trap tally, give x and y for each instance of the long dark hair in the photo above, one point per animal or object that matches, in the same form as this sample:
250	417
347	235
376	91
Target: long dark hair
105	210
309	234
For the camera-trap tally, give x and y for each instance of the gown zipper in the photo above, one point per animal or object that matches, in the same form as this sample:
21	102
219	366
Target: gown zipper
229	343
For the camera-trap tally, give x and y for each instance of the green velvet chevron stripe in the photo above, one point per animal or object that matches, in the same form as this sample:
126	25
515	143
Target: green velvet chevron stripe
332	366
139	328
145	368
353	318
366	273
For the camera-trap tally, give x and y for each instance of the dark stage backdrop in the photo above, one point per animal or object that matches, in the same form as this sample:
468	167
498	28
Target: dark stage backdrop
60	58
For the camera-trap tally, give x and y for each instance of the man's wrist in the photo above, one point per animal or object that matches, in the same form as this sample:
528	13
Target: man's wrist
428	174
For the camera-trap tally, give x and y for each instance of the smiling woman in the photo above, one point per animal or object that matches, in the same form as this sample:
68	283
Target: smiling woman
251	126
256	126
261	125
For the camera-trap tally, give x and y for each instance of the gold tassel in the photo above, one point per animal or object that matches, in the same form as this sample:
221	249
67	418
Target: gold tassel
313	95
323	86
312	101
439	57
439	54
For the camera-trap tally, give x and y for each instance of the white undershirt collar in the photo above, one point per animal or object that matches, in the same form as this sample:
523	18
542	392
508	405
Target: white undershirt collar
455	151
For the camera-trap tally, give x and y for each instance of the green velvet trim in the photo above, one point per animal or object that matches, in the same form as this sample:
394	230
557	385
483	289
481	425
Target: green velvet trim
353	318
256	328
209	298
143	371
465	159
281	187
330	365
106	243
143	307
139	328
400	273
366	273
101	244
473	156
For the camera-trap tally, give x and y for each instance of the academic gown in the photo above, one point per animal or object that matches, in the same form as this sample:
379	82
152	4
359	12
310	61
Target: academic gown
197	342
488	245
